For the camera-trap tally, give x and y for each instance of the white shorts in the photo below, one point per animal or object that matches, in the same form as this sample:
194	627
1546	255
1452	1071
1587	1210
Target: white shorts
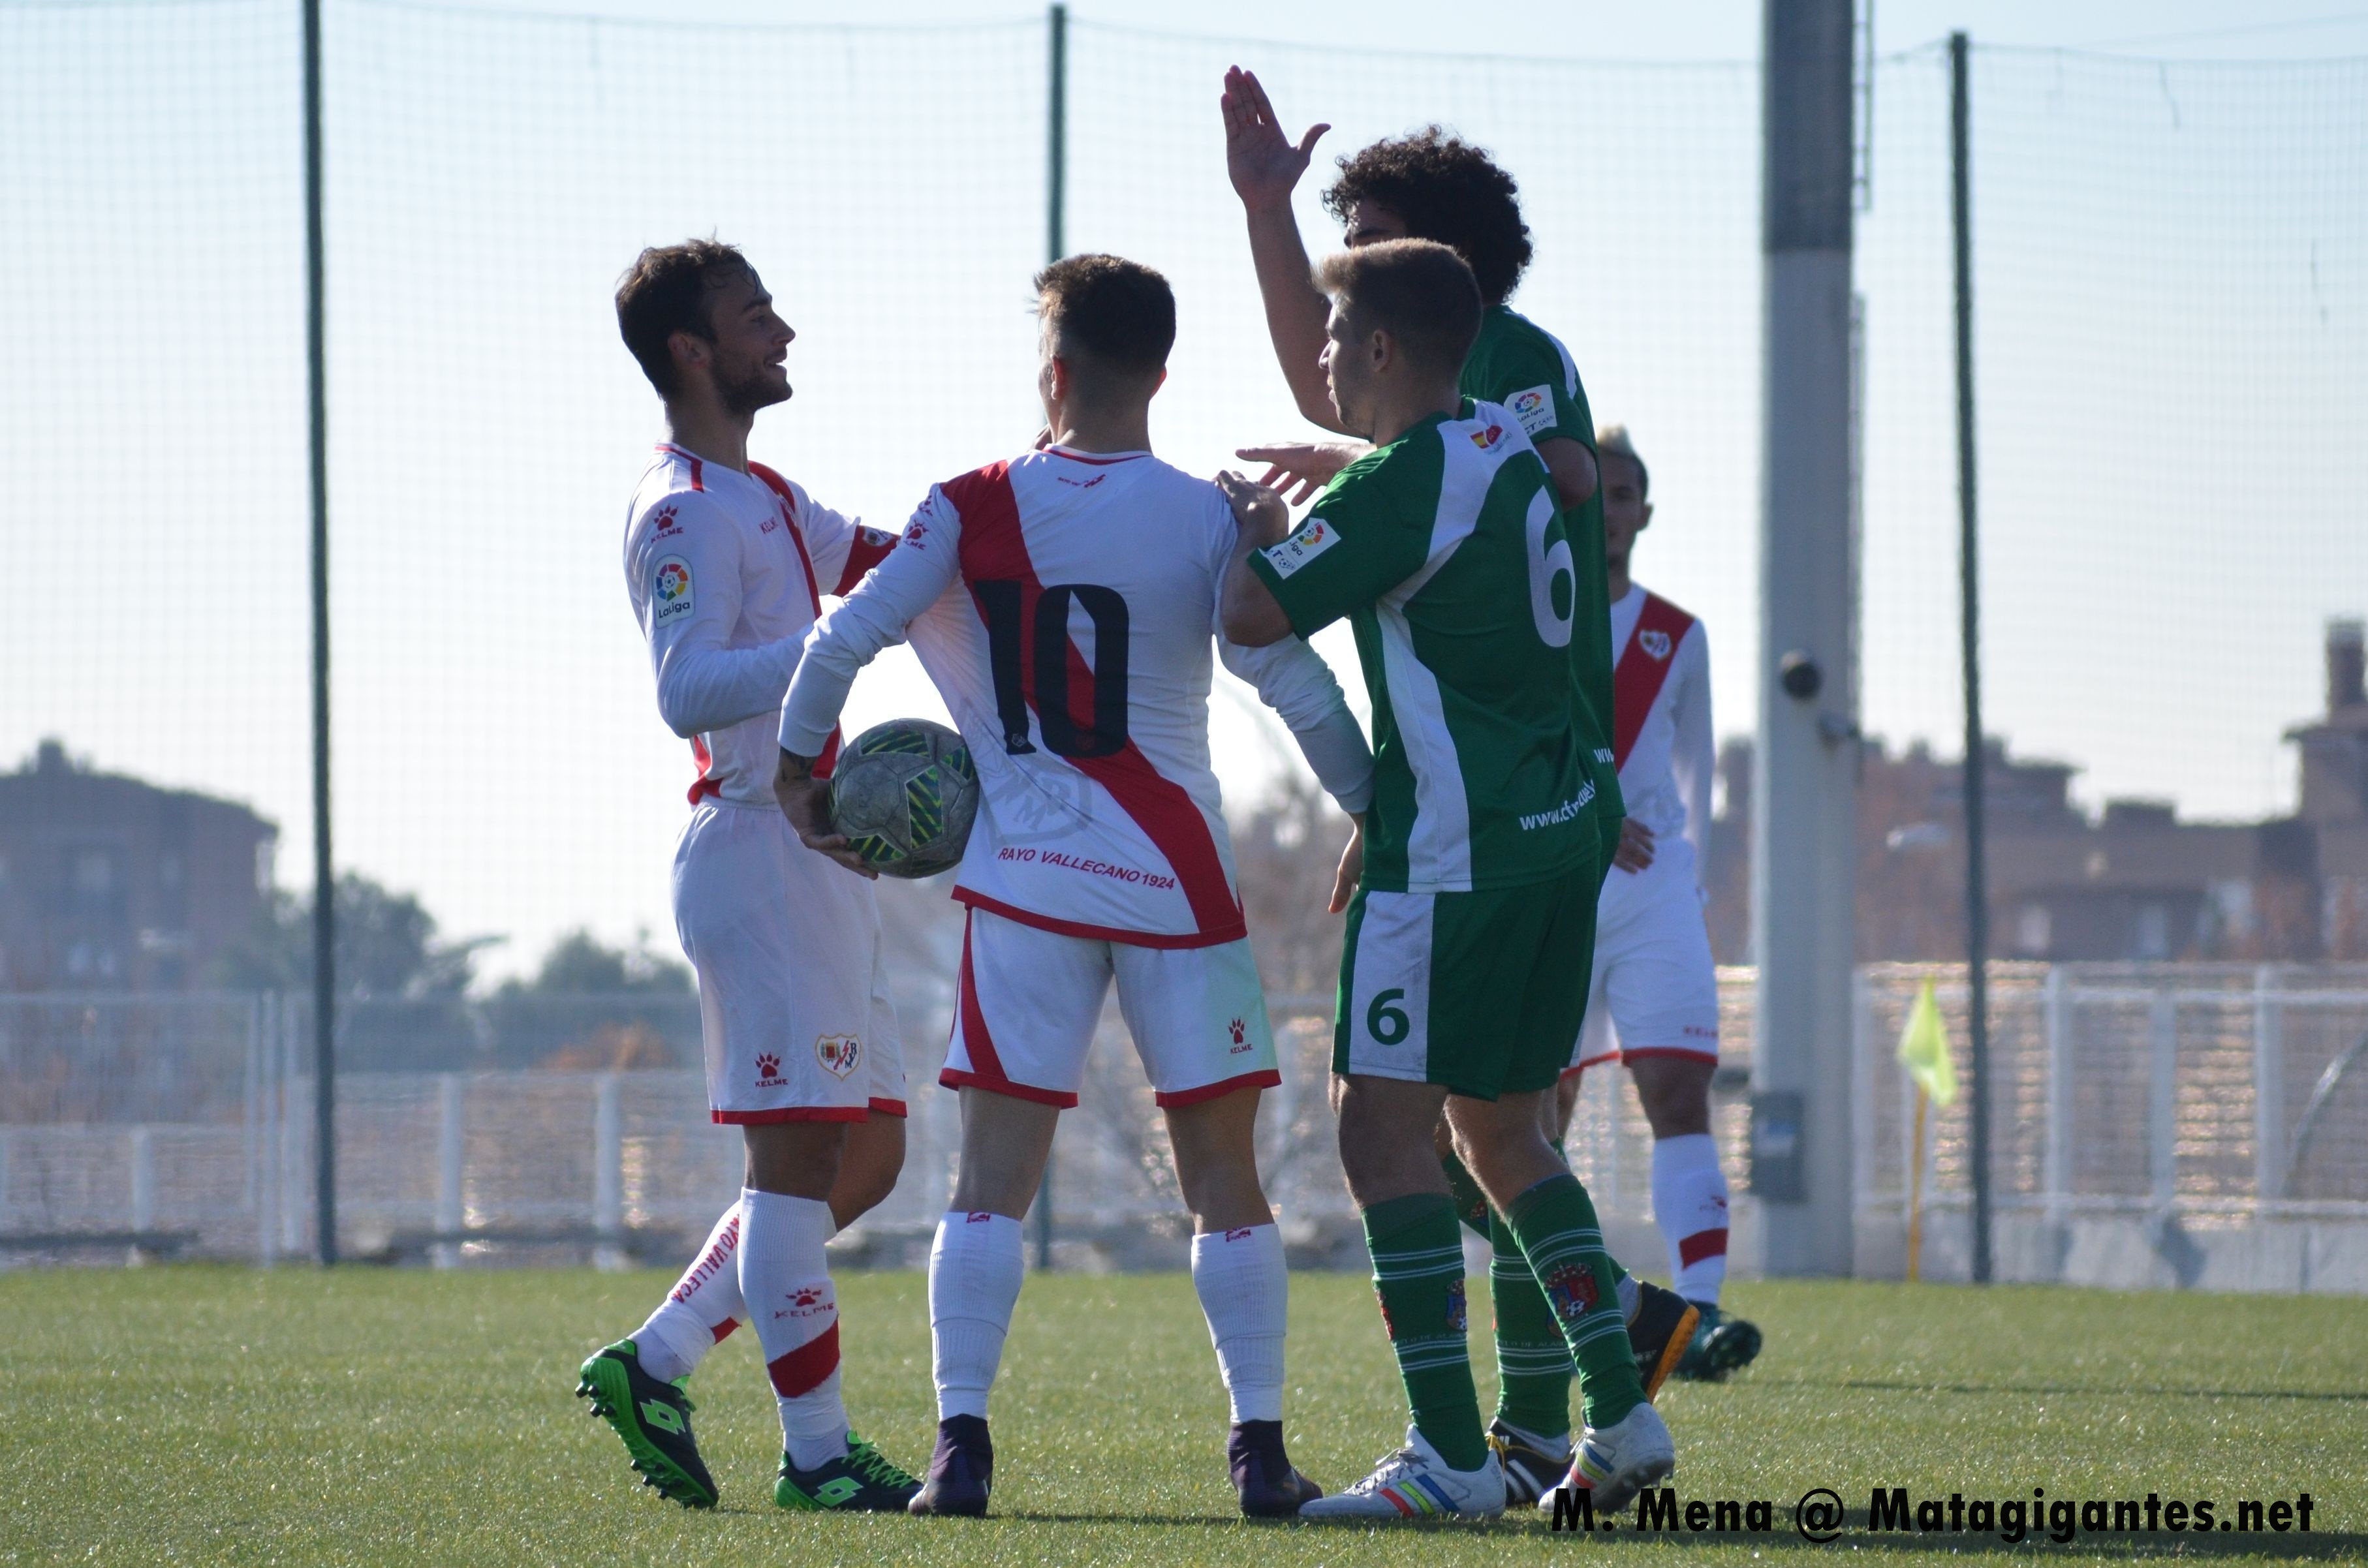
1654	991
1031	1000
792	993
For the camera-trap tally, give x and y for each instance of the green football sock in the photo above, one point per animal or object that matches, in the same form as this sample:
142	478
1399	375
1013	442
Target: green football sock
1418	1275
1533	1360
1559	1234
1618	1272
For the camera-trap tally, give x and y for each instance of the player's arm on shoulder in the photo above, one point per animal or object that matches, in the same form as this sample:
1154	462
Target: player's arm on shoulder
875	616
1352	549
1248	612
1293	680
683	557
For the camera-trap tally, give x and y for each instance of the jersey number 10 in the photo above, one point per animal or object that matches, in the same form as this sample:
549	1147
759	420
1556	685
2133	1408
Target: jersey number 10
1002	602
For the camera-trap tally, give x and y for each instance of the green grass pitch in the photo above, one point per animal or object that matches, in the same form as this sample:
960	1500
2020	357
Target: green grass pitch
189	1415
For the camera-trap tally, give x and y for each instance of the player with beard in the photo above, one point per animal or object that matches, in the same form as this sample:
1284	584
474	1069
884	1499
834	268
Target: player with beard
725	564
1433	186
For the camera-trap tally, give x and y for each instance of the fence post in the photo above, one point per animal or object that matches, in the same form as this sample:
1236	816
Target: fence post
2056	1165
143	1180
291	1169
251	1108
2162	1098
2268	1088
266	1132
450	1158
1861	1095
609	1173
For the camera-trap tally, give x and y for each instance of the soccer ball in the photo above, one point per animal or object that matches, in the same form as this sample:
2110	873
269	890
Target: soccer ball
904	794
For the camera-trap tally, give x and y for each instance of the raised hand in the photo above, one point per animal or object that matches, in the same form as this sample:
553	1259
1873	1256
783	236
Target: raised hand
1300	469
1263	162
1259	512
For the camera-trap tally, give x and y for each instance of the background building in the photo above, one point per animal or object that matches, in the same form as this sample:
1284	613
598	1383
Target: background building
2131	882
110	884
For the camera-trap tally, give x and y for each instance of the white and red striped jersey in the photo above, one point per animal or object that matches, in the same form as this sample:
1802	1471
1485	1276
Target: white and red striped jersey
1064	604
726	572
1660	708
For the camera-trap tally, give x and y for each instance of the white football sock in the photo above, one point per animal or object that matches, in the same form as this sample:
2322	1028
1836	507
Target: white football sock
976	1267
700	1310
785	1281
1244	1287
1689	1204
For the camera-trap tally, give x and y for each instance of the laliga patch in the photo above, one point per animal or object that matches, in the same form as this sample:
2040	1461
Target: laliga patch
1657	643
838	1053
1533	406
1314	537
669	590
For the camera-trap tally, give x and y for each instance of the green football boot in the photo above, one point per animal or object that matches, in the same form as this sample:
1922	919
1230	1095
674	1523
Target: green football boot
860	1481
1720	1345
653	1418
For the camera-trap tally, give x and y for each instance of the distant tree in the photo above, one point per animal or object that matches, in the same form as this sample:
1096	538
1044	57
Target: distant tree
386	947
580	964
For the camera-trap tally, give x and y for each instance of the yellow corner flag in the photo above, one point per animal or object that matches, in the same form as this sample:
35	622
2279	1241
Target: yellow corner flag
1924	1049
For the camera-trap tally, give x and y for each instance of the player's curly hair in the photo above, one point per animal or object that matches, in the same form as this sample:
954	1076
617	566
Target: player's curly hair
1446	189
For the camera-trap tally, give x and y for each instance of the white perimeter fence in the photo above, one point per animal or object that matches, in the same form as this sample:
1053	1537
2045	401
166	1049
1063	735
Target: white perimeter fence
2155	1124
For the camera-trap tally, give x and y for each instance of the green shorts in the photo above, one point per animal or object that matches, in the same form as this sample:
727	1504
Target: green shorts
1480	992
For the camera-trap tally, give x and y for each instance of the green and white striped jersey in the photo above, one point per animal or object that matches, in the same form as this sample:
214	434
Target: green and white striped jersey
1522	365
1446	551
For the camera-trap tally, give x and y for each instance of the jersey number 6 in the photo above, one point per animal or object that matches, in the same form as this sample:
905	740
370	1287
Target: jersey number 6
1105	734
1550	568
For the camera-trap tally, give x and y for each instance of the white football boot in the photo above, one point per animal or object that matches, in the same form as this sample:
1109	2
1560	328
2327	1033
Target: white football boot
1415	1483
1615	1462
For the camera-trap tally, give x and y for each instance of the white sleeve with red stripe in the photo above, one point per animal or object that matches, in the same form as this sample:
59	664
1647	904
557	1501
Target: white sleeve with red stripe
702	685
875	616
1693	749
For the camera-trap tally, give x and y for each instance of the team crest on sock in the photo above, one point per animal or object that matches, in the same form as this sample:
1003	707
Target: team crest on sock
1570	1290
1458	1309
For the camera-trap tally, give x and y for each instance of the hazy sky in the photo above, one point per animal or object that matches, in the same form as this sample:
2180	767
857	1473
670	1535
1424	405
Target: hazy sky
2172	351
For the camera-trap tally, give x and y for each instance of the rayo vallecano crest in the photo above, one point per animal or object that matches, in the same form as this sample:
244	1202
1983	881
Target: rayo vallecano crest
1657	643
838	1053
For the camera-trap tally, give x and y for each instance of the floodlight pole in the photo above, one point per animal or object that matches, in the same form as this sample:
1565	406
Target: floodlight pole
1803	821
1056	246
325	903
1977	901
